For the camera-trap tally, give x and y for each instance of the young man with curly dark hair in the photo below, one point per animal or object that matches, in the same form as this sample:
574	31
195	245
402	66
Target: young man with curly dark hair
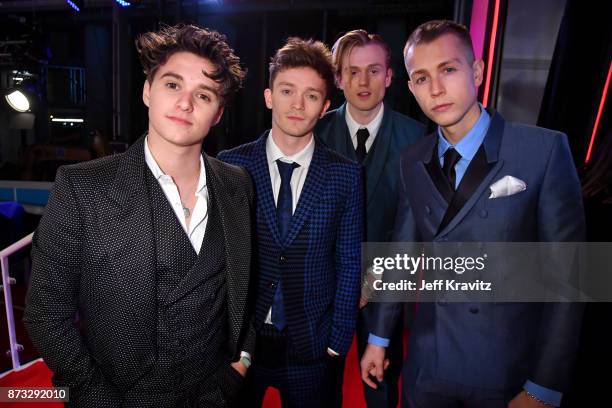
151	248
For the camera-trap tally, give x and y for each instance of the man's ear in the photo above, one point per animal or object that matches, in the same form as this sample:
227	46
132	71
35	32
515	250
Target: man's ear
268	97
389	77
409	83
146	88
219	115
478	68
325	107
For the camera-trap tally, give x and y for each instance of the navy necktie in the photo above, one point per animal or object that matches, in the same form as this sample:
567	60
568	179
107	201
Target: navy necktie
284	212
360	151
451	158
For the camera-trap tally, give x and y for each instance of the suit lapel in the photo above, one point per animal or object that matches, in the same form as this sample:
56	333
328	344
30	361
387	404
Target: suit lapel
481	171
474	175
310	192
377	156
126	228
265	196
437	176
338	137
237	237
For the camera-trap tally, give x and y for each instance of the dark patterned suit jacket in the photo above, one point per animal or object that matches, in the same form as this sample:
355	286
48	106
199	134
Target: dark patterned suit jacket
319	261
93	253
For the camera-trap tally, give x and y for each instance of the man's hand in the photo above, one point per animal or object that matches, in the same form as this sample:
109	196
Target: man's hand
241	368
522	400
373	363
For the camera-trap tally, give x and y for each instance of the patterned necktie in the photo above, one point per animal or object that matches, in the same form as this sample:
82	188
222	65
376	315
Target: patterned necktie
451	158
284	212
360	151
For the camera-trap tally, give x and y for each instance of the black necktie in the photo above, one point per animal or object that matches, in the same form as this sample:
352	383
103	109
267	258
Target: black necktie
284	212
360	151
451	158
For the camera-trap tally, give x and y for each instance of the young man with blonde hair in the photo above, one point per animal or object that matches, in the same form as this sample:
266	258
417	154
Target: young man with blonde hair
365	130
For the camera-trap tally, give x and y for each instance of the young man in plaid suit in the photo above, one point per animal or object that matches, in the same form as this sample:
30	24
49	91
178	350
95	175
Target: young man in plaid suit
309	228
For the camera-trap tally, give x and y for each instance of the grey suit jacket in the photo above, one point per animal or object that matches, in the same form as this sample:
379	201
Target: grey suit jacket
93	254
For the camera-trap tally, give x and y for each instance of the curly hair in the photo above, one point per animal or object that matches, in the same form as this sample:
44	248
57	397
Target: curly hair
299	53
154	49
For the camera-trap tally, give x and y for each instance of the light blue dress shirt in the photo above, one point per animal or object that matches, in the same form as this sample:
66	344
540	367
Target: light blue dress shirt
467	146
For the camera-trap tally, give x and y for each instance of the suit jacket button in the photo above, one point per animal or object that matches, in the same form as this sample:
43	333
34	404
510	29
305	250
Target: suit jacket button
282	259
474	310
427	209
272	285
484	213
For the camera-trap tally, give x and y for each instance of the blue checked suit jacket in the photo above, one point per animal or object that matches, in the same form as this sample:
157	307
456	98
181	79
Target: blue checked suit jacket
319	261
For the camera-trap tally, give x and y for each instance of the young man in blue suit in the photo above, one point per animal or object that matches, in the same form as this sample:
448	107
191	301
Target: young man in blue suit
479	354
309	229
366	131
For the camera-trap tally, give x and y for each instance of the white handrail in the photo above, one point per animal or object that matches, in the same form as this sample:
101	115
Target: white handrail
8	300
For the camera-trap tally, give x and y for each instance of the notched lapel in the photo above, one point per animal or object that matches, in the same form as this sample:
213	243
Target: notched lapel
377	157
310	193
265	197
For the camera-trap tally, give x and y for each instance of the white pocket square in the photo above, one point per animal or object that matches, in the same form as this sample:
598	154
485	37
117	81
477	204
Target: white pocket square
507	186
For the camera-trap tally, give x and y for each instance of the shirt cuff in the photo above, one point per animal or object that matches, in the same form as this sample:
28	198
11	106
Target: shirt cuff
245	354
378	341
550	397
332	352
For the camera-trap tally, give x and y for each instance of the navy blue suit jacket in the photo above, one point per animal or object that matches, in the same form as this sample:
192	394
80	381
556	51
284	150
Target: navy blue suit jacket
319	261
381	164
488	345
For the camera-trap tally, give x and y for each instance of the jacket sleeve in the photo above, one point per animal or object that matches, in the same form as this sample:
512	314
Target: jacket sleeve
385	315
560	219
249	339
348	268
52	301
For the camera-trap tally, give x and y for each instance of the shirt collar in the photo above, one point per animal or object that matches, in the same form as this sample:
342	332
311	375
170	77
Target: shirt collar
303	157
468	146
159	174
372	127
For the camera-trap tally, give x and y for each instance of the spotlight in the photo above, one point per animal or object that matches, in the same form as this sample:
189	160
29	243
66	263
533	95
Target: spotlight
17	100
123	3
75	4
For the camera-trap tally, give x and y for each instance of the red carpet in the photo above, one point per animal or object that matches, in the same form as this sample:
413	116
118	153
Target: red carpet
36	374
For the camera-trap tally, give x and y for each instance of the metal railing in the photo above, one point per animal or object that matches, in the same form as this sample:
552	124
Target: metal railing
7	281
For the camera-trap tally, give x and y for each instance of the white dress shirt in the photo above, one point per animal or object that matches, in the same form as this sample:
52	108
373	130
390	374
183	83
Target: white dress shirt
199	216
372	127
303	158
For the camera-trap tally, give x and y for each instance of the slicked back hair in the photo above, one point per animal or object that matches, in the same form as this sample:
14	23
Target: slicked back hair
356	38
